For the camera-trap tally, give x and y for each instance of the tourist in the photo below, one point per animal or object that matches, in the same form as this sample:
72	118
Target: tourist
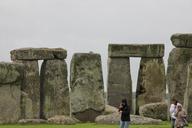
180	115
173	110
125	114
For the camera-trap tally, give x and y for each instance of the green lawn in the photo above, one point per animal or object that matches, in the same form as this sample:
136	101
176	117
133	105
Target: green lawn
86	125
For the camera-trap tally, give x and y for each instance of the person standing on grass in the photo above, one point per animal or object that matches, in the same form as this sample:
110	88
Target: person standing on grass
181	116
173	110
124	110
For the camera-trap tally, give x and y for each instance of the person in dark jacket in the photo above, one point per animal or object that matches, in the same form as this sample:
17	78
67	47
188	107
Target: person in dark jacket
124	110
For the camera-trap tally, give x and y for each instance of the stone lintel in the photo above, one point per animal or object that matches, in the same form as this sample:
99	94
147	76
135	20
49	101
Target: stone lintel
136	50
182	40
38	54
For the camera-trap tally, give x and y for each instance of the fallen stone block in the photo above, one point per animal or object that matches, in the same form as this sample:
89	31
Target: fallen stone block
32	121
62	119
109	110
114	118
154	110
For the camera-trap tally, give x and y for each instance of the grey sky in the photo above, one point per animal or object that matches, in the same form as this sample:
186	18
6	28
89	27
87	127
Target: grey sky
89	25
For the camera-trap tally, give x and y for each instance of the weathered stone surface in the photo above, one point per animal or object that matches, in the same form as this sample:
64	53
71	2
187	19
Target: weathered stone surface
59	53
32	121
9	103
136	50
30	90
119	81
10	72
61	119
114	118
38	54
55	90
182	40
135	119
151	85
188	94
179	59
87	93
154	110
10	92
88	115
109	109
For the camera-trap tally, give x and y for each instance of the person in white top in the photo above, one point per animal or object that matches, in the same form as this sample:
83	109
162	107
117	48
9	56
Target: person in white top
173	110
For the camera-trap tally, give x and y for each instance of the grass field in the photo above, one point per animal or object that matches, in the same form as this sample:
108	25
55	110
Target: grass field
86	125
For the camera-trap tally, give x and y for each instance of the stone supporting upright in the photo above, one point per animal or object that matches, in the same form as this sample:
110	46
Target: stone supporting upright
30	90
87	89
179	59
119	81
55	94
151	84
188	94
11	80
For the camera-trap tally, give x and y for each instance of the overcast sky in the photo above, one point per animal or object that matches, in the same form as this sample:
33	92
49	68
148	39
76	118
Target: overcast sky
90	25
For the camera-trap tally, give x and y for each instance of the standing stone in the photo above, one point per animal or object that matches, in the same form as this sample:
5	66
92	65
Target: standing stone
55	90
188	94
11	80
151	85
119	81
179	59
30	90
87	93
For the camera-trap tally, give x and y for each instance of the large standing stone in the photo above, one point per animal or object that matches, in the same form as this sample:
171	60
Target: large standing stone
87	93
55	90
11	79
182	40
136	50
119	81
30	90
38	54
179	59
151	86
188	94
